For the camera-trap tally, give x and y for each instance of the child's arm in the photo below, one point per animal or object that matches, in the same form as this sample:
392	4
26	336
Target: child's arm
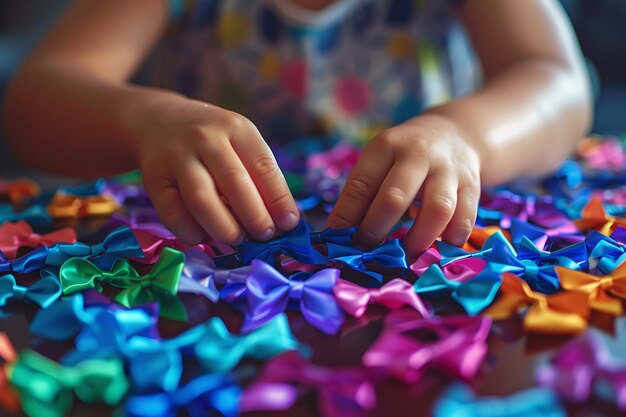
70	110
532	111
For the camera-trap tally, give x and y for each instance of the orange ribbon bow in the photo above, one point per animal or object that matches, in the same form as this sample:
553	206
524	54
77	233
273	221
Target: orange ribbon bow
563	313
67	206
595	217
19	189
597	288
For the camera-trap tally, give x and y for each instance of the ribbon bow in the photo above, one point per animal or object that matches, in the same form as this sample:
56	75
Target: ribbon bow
31	262
19	189
605	254
296	244
595	217
563	313
455	345
16	235
473	295
342	392
597	288
387	255
208	395
120	243
572	256
508	205
78	274
161	285
73	207
581	366
335	236
34	215
450	253
200	275
521	229
397	293
459	400
46	388
43	292
267	293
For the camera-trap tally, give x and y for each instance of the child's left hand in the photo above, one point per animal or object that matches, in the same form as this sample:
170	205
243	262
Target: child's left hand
426	158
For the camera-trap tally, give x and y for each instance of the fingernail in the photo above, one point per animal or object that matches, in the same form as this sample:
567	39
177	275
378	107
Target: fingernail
267	235
239	240
288	222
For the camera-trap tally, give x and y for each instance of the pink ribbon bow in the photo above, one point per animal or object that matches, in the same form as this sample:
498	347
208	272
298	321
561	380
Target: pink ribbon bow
397	293
13	236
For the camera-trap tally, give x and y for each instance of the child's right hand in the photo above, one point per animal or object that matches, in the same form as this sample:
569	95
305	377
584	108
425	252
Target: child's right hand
209	172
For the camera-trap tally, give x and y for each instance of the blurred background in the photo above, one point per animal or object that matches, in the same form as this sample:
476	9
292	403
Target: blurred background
600	25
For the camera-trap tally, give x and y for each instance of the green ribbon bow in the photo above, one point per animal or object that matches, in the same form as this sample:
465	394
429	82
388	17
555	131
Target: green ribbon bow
46	388
78	274
160	285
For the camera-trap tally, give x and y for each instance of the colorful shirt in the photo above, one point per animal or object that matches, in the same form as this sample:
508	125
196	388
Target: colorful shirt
349	70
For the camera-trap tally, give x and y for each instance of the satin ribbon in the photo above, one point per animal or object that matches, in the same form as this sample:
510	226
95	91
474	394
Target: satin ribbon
605	254
605	155
594	217
572	257
93	188
599	289
34	215
160	285
397	293
459	400
19	189
541	277
13	236
536	234
295	243
450	253
460	271
127	194
120	243
409	347
335	236
46	388
528	207
31	262
473	295
341	392
388	255
585	367
74	207
208	395
268	293
78	274
201	276
8	397
563	313
42	293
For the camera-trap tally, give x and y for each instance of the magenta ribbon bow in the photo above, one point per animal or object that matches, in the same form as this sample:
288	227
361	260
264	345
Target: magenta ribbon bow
269	293
397	293
407	348
583	365
343	392
13	236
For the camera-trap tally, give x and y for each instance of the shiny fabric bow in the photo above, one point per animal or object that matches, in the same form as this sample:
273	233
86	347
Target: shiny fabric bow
460	271
473	295
295	243
605	254
450	253
160	284
599	289
73	207
154	238
267	293
78	274
594	217
34	215
583	367
397	293
460	401
42	293
208	395
388	255
120	243
341	392
8	397
572	257
408	347
336	236
19	189
563	313
31	262
201	276
46	388
507	205
13	236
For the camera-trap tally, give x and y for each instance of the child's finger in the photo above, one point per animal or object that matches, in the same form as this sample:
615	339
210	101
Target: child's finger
171	210
237	187
438	206
361	187
460	227
260	163
393	199
204	203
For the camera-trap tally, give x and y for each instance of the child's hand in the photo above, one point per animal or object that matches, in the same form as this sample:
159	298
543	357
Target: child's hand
209	172
426	158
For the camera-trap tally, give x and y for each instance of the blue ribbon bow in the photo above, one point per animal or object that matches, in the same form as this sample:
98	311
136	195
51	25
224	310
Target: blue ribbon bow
388	255
450	253
43	292
605	254
572	256
31	262
35	215
335	236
